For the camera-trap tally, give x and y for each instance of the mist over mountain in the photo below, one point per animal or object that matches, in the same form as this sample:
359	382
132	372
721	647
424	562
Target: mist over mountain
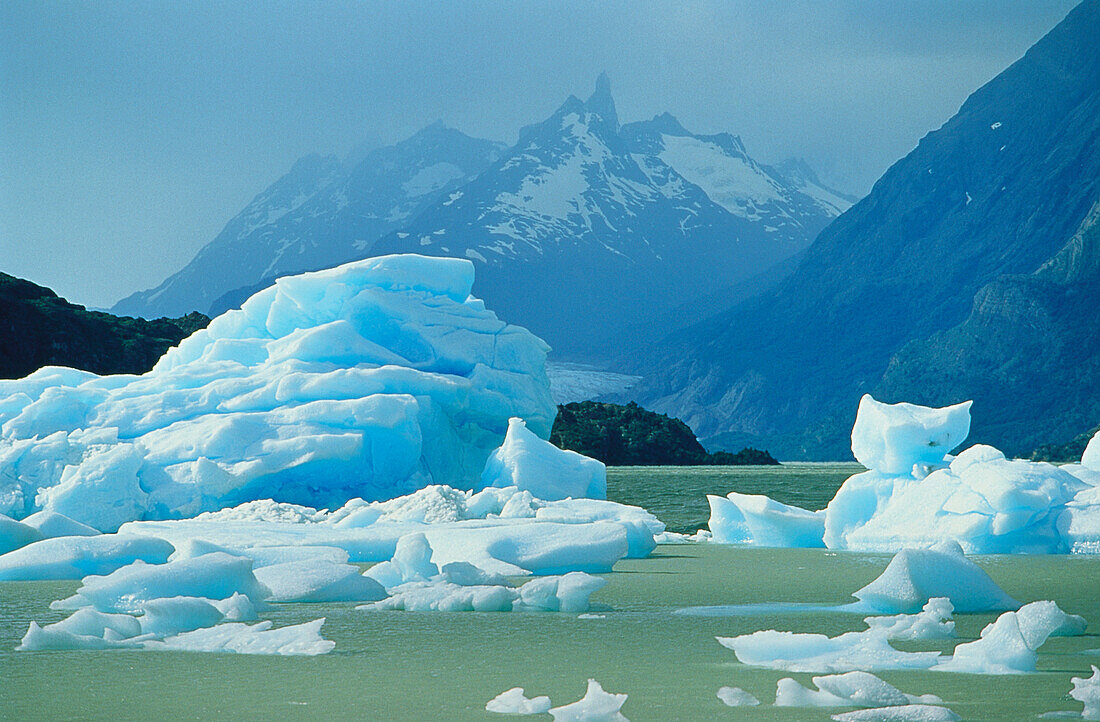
965	273
582	231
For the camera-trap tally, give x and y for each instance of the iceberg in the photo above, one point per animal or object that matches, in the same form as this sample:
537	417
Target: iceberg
595	706
796	652
367	380
51	524
902	713
75	557
1008	645
513	701
318	580
932	622
1087	689
914	495
852	689
736	697
260	638
915	576
535	465
14	535
893	438
759	521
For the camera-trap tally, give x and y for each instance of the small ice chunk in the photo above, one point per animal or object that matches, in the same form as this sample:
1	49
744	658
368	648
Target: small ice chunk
789	693
465	574
411	562
446	597
1087	690
567	593
736	697
297	639
757	520
532	464
75	557
595	706
932	622
1008	645
39	639
51	524
237	608
794	652
853	689
893	438
312	580
15	535
901	713
212	576
915	576
513	701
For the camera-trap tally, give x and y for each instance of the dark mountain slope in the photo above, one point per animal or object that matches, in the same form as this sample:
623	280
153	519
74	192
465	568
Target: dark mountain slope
38	328
997	190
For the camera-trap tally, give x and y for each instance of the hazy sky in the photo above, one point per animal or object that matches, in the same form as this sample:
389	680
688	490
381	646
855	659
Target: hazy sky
131	132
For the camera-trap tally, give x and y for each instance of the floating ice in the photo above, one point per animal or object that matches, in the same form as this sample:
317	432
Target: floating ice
760	521
736	697
297	639
1087	689
441	596
902	713
911	496
51	524
932	622
852	689
412	562
915	576
14	535
367	380
535	465
173	615
318	580
128	589
893	438
513	701
567	593
78	556
595	706
1008	645
869	650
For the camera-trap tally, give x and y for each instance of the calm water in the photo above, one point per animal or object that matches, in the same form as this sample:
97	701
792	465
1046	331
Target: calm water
427	666
677	494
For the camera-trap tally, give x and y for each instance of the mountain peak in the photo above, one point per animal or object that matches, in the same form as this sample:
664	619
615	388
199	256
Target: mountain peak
601	103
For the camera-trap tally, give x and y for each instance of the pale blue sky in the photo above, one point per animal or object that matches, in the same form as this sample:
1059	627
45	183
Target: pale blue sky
131	132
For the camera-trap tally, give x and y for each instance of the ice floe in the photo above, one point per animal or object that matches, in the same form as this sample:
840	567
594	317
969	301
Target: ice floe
902	713
932	622
535	465
595	706
806	652
1087	689
513	701
736	697
852	689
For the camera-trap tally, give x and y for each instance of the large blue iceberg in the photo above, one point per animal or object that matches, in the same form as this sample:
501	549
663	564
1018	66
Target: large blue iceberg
369	380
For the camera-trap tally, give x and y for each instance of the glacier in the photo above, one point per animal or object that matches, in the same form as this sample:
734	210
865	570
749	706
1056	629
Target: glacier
914	494
368	380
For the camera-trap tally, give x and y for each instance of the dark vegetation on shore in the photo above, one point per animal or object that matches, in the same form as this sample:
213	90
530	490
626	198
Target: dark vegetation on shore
38	328
632	436
1069	451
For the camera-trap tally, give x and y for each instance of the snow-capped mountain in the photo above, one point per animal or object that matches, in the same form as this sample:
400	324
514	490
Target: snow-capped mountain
318	215
584	229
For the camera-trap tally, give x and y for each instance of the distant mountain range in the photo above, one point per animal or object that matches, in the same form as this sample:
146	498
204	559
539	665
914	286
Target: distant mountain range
972	270
582	231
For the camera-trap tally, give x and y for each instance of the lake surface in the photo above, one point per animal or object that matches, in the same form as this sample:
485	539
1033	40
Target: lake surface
438	666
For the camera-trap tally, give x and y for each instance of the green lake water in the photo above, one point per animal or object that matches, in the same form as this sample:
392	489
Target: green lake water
437	666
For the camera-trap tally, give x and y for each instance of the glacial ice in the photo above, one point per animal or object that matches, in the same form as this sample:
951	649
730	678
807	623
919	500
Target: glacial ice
535	465
932	622
14	535
1008	645
595	706
914	576
1087	689
513	701
75	557
736	697
316	580
368	380
852	689
760	521
128	589
51	524
260	638
797	652
914	495
902	713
